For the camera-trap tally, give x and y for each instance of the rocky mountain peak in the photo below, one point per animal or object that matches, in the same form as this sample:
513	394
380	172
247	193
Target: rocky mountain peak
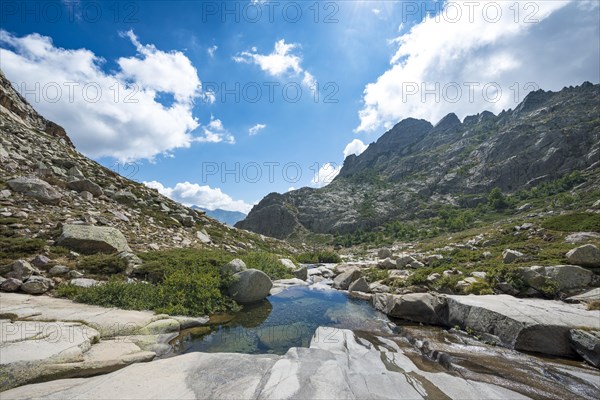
17	108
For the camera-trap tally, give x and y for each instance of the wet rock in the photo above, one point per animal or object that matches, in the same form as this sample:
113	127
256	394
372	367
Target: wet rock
587	256
93	239
37	285
250	286
301	272
36	188
359	285
510	256
587	345
343	280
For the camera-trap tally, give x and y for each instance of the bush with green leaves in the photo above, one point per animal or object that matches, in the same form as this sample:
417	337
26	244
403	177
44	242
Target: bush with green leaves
376	274
497	200
318	256
12	248
268	263
102	264
574	222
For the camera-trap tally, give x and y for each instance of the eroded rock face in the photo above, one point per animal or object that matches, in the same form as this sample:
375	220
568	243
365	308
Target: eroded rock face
93	239
36	188
587	345
418	307
250	286
566	276
587	256
338	364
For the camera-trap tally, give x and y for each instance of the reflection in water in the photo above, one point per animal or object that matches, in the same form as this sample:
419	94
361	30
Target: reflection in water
288	319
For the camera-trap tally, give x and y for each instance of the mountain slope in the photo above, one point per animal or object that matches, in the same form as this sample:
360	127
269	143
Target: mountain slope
86	193
227	217
416	166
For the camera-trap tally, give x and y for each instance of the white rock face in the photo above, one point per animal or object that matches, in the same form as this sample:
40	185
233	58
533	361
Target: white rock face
587	256
338	365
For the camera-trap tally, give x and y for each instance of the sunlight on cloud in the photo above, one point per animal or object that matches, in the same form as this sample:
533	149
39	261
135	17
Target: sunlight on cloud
355	147
191	194
215	132
114	114
326	174
442	53
256	128
280	63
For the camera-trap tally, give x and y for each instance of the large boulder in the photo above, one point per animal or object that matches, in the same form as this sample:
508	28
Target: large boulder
85	185
387	263
36	188
384	253
587	255
59	270
20	269
418	307
10	285
233	267
510	256
343	280
587	345
83	282
359	285
300	272
37	285
250	286
566	276
534	325
93	239
404	259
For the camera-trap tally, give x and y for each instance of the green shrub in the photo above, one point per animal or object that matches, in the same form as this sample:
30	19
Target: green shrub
319	256
268	263
550	288
574	222
376	274
102	264
12	248
479	288
504	273
497	200
419	277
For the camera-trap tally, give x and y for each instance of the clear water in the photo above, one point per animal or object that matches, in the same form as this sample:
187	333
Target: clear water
288	319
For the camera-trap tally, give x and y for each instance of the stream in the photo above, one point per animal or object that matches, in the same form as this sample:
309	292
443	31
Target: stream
290	318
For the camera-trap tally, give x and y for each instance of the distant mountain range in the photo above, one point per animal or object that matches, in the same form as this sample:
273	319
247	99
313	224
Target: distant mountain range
415	168
227	217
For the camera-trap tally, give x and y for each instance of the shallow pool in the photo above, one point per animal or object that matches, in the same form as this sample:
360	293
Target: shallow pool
288	319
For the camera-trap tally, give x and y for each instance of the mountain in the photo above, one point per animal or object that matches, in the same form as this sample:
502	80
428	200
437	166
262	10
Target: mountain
46	183
227	217
415	168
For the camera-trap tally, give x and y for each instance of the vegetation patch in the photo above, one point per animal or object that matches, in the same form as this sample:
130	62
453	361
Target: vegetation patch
268	263
574	222
13	248
102	264
319	256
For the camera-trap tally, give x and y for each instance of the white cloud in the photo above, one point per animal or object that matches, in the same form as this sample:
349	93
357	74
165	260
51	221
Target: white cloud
282	62
326	174
291	188
215	132
117	114
471	49
376	11
355	147
256	128
211	50
191	194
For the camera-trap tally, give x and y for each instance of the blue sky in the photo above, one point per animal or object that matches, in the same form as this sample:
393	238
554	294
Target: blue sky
139	85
